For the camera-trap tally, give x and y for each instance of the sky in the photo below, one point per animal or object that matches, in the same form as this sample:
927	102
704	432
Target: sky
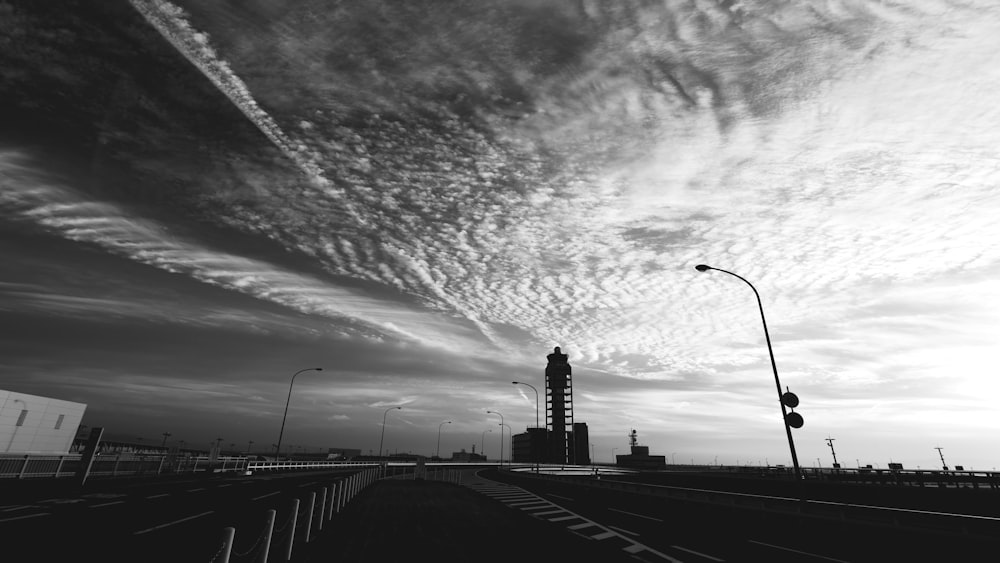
200	199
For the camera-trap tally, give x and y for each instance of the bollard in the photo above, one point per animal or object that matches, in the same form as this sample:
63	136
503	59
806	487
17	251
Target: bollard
309	515
333	497
322	511
340	495
268	530
291	531
227	544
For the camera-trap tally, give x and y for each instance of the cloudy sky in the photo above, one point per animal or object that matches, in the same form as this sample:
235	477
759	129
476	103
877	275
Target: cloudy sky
423	198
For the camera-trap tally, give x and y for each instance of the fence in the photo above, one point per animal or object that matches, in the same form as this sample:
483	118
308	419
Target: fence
301	523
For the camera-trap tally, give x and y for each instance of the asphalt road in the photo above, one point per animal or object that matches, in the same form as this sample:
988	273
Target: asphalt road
167	519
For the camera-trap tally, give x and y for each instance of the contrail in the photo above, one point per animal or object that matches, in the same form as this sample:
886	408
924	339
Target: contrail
170	21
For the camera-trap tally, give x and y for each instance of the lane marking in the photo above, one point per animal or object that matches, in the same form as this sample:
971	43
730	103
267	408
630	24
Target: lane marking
265	496
172	523
539	502
582	526
634	548
550	512
797	551
563	518
225	485
16	508
107	504
604	536
636	515
195	490
25	516
557	496
159	495
693	552
624	531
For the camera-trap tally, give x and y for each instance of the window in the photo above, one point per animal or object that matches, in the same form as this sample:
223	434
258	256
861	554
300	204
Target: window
59	422
20	419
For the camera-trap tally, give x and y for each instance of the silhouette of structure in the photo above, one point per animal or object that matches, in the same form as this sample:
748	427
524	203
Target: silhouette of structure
640	458
559	407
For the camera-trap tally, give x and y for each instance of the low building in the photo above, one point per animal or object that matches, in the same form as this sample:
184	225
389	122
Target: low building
640	458
466	456
37	425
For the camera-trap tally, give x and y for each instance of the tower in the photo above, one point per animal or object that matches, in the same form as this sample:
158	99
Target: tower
559	406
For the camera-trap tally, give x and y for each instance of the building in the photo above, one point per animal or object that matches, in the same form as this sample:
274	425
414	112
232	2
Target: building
579	452
529	447
37	425
559	407
640	458
466	456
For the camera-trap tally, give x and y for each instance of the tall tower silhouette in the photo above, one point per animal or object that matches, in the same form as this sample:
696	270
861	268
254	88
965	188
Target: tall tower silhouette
559	406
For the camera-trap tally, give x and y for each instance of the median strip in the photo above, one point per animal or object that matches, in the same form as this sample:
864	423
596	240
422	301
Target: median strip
172	523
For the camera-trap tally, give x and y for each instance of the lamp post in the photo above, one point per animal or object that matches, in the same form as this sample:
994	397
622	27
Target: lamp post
536	418
673	458
501	435
439	437
592	460
774	367
249	445
614	460
482	443
381	440
165	436
510	443
277	452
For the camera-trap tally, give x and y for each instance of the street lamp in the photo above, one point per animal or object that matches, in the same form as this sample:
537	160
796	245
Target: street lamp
673	458
383	430
531	441
249	445
482	443
774	367
439	437
614	460
592	460
510	443
277	452
165	436
501	435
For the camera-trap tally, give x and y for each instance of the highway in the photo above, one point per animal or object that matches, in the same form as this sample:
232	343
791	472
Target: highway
673	530
158	520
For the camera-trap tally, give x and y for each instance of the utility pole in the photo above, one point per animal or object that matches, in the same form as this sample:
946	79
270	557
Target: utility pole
943	464
829	442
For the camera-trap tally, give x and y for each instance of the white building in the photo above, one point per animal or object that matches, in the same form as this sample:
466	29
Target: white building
37	425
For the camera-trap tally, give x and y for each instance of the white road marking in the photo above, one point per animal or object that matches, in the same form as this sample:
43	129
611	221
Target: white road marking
159	495
172	523
563	518
693	552
107	504
25	516
265	496
604	536
195	490
636	515
550	512
16	508
624	531
582	526
797	551
557	496
225	485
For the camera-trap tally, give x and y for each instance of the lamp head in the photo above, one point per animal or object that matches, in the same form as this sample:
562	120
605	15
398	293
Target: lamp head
515	382
702	268
399	408
318	369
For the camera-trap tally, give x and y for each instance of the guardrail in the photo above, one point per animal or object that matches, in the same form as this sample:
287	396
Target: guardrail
35	466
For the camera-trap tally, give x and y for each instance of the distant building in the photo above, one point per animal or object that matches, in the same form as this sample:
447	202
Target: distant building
466	456
36	424
579	451
640	458
529	446
342	454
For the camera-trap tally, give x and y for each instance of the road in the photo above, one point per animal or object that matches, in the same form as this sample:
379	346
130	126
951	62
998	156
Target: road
161	520
671	530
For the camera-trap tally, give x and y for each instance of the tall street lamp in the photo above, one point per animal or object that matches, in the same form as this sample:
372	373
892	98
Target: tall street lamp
501	435
277	452
510	442
439	437
165	436
532	441
381	440
482	443
774	368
